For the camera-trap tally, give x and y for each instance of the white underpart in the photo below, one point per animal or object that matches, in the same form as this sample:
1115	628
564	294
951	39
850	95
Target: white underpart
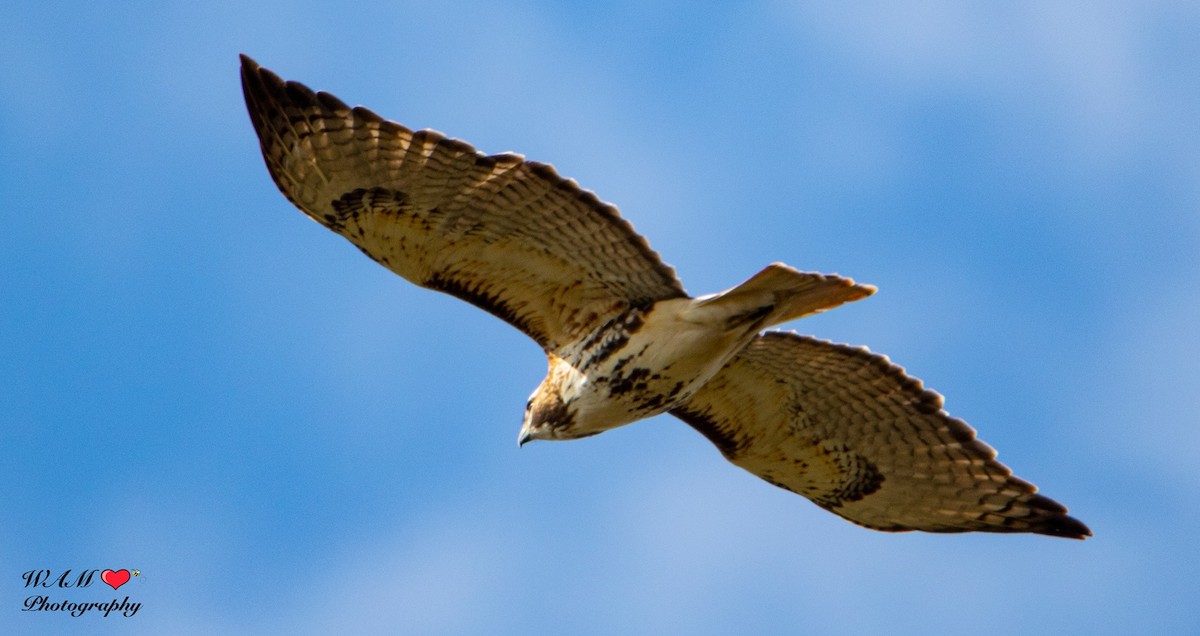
679	346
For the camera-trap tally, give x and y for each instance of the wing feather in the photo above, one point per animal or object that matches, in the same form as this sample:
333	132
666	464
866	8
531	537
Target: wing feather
854	433
508	235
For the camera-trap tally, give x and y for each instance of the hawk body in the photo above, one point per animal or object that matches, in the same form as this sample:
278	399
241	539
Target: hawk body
837	424
646	361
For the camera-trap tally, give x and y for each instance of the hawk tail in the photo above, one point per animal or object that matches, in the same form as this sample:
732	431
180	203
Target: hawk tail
780	293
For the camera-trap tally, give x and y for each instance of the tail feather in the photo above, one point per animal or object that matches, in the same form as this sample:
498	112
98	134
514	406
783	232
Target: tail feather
780	293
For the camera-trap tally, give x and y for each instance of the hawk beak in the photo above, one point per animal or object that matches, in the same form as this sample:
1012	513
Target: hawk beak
524	437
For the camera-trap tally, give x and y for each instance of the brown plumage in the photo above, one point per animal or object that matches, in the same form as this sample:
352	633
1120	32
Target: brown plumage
837	424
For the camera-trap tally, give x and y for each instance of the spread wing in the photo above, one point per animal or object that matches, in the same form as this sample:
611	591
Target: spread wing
855	434
508	235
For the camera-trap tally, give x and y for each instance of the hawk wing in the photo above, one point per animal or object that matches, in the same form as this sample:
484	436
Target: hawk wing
508	235
852	432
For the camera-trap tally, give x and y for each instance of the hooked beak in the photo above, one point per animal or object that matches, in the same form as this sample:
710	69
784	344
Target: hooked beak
524	437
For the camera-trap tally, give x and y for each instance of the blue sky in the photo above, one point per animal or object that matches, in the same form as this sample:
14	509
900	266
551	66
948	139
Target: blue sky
200	383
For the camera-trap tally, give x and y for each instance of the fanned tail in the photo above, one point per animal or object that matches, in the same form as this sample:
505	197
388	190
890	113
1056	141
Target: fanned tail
780	293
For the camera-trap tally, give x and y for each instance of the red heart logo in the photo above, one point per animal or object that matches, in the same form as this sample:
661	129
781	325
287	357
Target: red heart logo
115	579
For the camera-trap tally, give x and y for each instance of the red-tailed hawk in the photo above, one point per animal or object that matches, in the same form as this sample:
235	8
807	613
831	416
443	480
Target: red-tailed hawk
838	424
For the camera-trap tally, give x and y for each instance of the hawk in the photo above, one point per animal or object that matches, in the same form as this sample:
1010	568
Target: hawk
837	424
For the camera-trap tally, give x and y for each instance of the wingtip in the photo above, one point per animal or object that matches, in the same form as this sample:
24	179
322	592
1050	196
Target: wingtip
1050	517
253	86
252	74
247	63
1066	527
863	290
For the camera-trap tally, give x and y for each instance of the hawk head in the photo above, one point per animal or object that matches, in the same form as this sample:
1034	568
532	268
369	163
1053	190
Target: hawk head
549	414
